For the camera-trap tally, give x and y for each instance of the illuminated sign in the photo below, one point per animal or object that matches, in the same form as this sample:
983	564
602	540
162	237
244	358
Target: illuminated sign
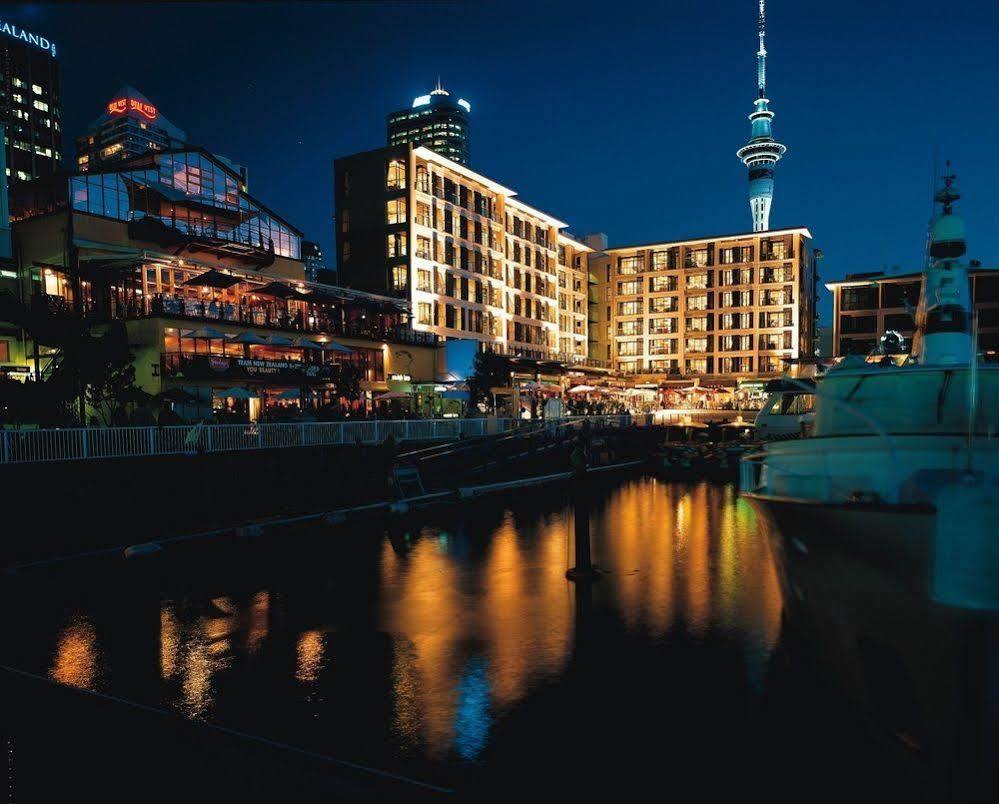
123	105
30	38
465	104
423	100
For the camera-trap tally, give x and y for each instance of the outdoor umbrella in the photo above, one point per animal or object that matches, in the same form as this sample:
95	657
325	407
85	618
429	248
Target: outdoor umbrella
247	337
294	393
305	343
275	290
279	340
392	395
176	395
333	346
205	332
238	393
213	279
582	389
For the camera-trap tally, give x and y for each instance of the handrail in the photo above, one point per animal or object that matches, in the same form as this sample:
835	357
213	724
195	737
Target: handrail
87	443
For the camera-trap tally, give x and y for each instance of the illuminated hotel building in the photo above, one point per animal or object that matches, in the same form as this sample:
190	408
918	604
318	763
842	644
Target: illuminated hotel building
473	260
732	306
867	305
29	103
437	121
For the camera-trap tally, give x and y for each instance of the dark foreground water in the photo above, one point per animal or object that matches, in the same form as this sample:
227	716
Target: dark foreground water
453	653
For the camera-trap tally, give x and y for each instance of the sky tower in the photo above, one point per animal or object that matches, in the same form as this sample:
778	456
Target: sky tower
762	151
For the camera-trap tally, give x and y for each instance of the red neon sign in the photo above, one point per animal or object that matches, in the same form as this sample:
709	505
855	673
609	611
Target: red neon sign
121	105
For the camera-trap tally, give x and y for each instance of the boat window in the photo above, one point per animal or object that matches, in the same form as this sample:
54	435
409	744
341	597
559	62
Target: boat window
796	404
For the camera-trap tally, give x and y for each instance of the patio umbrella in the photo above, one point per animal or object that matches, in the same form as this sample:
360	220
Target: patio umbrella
275	290
238	393
136	395
305	343
581	389
392	395
176	395
247	337
279	340
205	332
333	346
294	393
213	279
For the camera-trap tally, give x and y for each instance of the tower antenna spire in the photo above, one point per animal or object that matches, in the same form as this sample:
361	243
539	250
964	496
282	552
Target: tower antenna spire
762	152
761	54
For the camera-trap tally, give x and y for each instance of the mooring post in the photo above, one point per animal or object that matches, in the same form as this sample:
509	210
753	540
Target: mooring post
579	482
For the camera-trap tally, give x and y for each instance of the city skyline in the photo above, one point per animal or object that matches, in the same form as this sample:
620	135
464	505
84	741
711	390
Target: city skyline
825	97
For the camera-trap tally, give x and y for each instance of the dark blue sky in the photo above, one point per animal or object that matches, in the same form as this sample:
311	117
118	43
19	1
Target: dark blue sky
621	117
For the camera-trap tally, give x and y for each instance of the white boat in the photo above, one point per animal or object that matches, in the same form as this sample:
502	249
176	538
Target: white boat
884	518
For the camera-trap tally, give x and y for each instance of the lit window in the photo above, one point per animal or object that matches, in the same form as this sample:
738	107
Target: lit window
396	176
400	277
40	105
396	211
36	89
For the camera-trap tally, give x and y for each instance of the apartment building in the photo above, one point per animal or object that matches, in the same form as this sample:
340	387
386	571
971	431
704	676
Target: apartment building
731	306
867	305
474	261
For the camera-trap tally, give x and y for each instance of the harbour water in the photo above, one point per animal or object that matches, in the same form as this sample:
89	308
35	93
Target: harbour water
453	653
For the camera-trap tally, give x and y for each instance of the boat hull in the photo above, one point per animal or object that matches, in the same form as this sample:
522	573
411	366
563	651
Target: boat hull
857	581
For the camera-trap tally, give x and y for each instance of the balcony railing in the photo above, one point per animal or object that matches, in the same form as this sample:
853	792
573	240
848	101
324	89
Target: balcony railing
272	317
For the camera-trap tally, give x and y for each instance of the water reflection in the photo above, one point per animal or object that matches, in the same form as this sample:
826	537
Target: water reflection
76	655
447	629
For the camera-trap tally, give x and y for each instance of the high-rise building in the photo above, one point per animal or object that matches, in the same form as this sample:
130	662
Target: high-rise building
762	152
733	306
438	121
312	256
29	103
867	306
474	261
129	126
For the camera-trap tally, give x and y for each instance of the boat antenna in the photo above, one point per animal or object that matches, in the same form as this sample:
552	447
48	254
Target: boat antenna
934	180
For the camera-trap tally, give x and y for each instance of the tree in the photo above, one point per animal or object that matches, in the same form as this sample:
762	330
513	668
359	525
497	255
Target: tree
489	370
348	381
108	394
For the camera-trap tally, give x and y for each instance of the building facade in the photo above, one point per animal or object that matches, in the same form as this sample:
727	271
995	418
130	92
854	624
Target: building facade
29	103
733	306
312	257
868	305
473	260
438	121
207	285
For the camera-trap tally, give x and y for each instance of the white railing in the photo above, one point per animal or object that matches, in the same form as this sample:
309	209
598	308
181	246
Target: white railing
70	444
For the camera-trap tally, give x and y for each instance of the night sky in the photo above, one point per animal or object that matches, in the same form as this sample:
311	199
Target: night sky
617	117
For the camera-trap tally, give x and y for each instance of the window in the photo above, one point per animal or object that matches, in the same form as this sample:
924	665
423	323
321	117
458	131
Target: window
661	326
346	184
396	175
697	345
346	252
699	324
4	351
629	288
698	258
629	308
697	366
657	284
400	277
697	281
629	348
423	281
662	346
344	220
664	304
396	211
42	106
633	327
396	245
423	313
697	302
859	298
663	260
629	265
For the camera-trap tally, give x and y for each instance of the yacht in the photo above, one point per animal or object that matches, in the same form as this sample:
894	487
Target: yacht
884	524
